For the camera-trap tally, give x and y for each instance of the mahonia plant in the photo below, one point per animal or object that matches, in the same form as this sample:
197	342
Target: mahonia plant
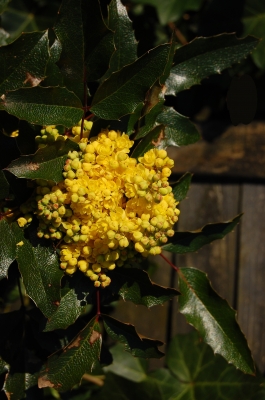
91	194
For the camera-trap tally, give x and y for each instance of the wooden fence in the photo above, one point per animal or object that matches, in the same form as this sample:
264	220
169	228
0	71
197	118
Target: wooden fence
231	171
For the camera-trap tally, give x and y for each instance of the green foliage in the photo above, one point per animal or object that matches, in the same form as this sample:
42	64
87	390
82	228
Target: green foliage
87	67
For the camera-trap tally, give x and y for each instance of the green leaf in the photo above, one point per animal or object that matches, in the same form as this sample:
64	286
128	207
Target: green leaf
23	62
134	117
203	57
66	367
127	366
181	187
254	22
122	92
73	301
44	106
151	140
139	346
150	118
69	30
4	186
187	242
7	248
54	76
179	130
18	384
135	285
213	318
124	39
47	163
99	44
172	10
3	5
41	275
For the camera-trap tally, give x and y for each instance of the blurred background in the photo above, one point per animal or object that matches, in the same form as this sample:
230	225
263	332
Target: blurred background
228	162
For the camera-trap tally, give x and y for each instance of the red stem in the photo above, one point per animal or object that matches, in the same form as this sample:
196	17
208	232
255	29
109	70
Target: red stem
169	262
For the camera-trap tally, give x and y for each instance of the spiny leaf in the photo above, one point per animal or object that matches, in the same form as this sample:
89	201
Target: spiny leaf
213	318
47	163
136	344
4	186
187	242
23	62
65	368
122	92
43	106
124	39
203	57
7	248
40	272
73	302
181	187
179	130
135	285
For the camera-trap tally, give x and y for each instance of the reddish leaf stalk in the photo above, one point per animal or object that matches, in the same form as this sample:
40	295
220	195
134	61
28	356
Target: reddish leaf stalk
169	262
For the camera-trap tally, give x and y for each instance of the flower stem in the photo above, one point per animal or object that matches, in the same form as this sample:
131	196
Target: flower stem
169	262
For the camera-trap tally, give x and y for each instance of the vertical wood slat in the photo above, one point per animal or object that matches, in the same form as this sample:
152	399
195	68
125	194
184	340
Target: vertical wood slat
208	203
251	290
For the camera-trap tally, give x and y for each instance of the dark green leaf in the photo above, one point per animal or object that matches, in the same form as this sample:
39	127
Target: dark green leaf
122	92
127	366
149	120
204	57
172	10
134	117
44	106
18	385
7	248
213	318
54	76
99	44
40	272
151	140
254	23
135	285
179	130
3	5
187	242
4	186
47	163
69	30
65	368
139	346
181	187
23	62
73	302
124	39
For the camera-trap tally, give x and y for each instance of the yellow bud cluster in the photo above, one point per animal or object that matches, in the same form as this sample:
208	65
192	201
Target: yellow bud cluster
49	134
110	209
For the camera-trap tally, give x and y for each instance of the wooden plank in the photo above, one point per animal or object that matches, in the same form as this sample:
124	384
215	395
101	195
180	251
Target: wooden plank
208	203
238	153
251	291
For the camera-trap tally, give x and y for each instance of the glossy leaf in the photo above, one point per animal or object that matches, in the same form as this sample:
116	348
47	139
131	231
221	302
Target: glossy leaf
136	344
151	140
47	163
181	187
134	285
7	248
187	242
23	62
73	301
203	57
44	106
149	120
179	130
213	318
127	366
133	119
40	273
4	186
122	92
65	368
54	76
70	35
124	39
254	22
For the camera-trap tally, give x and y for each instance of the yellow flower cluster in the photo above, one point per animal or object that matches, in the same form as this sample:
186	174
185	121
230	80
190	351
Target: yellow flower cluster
109	208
